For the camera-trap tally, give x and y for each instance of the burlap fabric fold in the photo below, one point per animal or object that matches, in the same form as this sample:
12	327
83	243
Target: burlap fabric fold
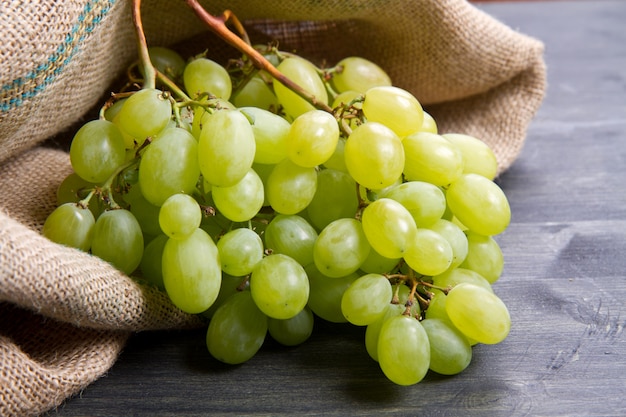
65	315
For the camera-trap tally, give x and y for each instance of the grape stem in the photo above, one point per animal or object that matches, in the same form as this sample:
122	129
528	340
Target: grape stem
218	26
148	70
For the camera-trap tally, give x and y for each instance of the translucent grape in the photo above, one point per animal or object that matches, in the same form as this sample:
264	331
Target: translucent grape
478	158
191	272
304	74
459	275
403	350
258	94
374	155
455	237
395	108
279	286
312	138
118	240
71	225
97	150
358	74
480	204
151	265
242	201
431	158
484	256
237	330
226	148
293	236
146	213
293	331
450	351
426	202
270	134
373	329
145	113
478	313
325	294
230	285
366	300
335	198
169	166
429	124
290	187
337	160
428	253
180	216
377	263
240	251
389	227
341	248
167	61
203	75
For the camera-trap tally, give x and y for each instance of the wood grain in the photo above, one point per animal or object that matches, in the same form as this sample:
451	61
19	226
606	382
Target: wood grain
564	280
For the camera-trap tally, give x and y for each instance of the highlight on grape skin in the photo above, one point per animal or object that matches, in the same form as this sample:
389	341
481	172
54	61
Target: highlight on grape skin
264	208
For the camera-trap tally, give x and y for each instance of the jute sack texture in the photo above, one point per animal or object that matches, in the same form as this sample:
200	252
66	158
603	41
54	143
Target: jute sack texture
65	315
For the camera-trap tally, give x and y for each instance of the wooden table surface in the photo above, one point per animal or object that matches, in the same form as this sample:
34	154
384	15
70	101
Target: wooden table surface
564	280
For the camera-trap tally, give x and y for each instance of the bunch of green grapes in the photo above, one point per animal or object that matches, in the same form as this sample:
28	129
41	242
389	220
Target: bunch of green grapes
262	210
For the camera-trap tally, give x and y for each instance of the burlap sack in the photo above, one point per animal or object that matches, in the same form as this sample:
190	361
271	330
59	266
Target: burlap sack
65	315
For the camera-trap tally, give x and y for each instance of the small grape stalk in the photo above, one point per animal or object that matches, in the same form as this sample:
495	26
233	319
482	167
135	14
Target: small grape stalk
270	193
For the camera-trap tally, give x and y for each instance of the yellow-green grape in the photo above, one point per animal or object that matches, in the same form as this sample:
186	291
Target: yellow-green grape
429	124
431	158
378	264
395	108
97	150
145	113
258	94
335	198
226	148
458	275
484	256
403	350
180	216
478	313
366	299
151	265
146	213
204	76
428	253
358	74
425	201
437	306
293	331
167	61
389	227
304	74
478	158
73	189
290	187
325	294
118	240
270	134
202	114
374	155
240	251
279	286
455	237
291	235
70	225
341	248
479	204
450	351
230	285
192	272
312	138
337	160
242	201
373	329
237	329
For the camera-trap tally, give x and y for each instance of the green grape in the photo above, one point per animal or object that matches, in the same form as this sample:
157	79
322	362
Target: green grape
458	275
337	160
279	286
403	350
258	94
455	237
293	331
145	113
290	187
484	256
70	225
147	214
325	294
335	198
230	285
202	114
97	150
118	240
291	235
226	148
341	248
429	124
202	76
169	166
366	300
426	202
304	74
478	313
112	111
375	263
358	74
242	201
437	306
389	227
167	61
151	265
478	158
374	155
240	251
450	351
237	330
270	134
192	273
73	189
312	138
480	204
395	108
373	329
428	253
263	171
180	216
431	158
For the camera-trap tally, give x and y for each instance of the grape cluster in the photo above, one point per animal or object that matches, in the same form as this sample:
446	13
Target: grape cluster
260	209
